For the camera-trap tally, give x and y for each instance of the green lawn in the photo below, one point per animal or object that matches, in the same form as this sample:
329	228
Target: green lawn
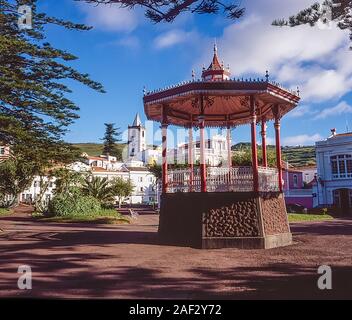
4	211
300	217
102	217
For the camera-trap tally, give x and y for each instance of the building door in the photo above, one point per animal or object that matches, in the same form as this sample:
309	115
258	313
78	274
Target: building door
344	202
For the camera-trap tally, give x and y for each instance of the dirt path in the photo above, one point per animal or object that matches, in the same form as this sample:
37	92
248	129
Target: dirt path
126	261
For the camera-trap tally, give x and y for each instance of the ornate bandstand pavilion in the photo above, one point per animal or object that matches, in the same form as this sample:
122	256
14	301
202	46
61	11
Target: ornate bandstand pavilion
226	206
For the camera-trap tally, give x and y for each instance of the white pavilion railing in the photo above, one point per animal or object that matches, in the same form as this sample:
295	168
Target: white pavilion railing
268	179
222	179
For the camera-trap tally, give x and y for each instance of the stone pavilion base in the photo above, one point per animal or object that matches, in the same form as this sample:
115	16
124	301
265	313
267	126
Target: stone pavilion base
245	220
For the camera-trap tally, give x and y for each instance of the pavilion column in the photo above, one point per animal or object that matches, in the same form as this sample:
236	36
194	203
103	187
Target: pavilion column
203	172
263	133
190	157
164	126
254	145
228	140
278	148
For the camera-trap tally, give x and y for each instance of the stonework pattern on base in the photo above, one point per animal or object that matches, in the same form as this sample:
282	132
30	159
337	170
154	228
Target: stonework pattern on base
237	220
274	215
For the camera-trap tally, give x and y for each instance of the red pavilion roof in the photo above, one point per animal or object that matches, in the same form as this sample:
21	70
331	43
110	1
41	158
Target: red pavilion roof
220	100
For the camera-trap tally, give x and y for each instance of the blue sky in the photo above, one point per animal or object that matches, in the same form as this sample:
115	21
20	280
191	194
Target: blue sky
126	52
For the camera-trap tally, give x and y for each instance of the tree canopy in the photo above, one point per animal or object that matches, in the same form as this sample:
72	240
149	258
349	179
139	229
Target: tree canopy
168	10
34	108
339	11
111	137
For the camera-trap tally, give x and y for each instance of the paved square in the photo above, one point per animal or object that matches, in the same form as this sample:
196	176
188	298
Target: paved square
126	261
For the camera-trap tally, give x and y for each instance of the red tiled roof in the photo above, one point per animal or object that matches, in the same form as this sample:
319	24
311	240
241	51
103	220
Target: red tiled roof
215	64
137	169
347	134
97	158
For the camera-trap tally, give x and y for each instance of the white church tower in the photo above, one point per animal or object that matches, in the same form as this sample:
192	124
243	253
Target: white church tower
136	139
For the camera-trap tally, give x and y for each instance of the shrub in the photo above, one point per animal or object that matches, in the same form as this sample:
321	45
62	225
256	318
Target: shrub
63	205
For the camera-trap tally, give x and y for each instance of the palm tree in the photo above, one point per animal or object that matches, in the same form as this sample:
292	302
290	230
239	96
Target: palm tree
99	188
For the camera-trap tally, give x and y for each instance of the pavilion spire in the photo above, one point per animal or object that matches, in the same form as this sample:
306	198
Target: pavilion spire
216	70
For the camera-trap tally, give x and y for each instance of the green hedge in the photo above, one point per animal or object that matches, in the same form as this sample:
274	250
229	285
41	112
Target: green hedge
73	205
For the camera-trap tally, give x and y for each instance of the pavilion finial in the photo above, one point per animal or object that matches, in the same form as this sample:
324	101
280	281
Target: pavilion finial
193	75
215	47
267	75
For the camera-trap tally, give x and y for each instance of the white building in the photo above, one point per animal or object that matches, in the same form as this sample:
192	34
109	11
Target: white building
143	181
215	148
215	151
334	172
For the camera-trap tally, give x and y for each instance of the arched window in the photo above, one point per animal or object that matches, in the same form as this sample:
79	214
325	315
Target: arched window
295	180
341	166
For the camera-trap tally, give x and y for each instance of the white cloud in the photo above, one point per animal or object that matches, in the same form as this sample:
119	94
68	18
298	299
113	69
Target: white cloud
342	108
110	17
317	60
301	140
172	38
130	42
269	141
300	111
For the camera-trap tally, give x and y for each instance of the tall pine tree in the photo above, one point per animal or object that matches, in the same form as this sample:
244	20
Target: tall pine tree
33	91
111	137
34	109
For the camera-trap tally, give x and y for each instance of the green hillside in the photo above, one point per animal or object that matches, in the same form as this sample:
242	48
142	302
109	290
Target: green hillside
92	149
296	156
299	156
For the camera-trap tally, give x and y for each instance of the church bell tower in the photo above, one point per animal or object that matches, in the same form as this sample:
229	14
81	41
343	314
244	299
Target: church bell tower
136	138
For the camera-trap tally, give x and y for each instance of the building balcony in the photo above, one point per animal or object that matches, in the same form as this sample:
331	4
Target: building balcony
222	179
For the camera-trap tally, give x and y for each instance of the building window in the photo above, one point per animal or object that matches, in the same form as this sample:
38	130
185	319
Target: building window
140	179
2	151
341	166
295	180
